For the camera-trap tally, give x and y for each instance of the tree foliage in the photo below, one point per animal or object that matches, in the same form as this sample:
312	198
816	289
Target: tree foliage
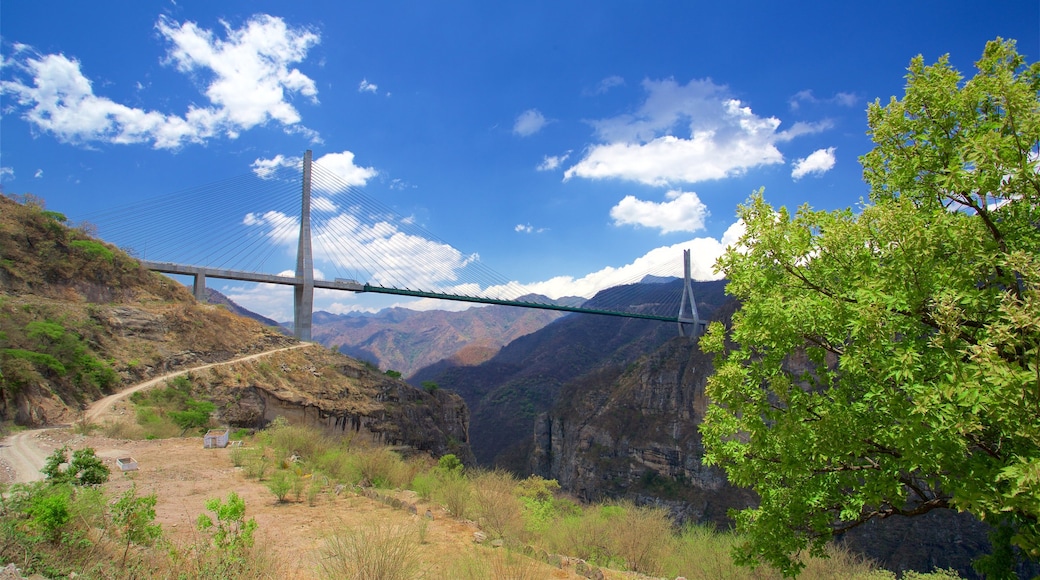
85	468
886	361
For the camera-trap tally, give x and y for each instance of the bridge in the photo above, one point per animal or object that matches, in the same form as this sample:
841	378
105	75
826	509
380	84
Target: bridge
368	253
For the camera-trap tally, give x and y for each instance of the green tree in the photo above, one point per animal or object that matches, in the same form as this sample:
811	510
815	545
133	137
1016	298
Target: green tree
886	361
84	469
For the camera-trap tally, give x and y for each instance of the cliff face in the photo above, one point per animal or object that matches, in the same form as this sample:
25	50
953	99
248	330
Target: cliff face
341	396
633	433
507	393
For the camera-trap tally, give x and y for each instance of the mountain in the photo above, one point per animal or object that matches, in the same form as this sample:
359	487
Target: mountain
215	297
506	393
406	340
80	319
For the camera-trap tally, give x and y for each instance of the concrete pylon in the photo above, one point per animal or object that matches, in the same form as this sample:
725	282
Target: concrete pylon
303	295
689	319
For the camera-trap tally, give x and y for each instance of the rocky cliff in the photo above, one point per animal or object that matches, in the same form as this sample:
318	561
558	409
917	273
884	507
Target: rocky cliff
508	392
632	432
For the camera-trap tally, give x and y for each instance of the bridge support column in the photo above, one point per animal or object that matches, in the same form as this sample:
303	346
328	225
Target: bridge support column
688	321
303	295
199	287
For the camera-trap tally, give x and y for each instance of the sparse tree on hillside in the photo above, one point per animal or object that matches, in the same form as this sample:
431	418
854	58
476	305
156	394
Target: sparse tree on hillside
887	359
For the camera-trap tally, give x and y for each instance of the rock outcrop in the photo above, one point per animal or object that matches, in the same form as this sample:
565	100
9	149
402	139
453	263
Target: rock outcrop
633	433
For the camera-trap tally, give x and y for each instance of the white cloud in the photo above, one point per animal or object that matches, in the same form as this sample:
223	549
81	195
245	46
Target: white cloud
841	99
266	168
6	173
527	229
690	133
366	87
247	76
38	174
818	162
390	256
337	171
663	261
550	163
341	165
529	122
684	212
606	84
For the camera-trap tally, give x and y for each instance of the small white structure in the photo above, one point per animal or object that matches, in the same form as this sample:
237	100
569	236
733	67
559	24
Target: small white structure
216	438
126	464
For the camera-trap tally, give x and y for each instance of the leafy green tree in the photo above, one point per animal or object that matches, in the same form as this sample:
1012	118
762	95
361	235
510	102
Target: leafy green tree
84	469
886	361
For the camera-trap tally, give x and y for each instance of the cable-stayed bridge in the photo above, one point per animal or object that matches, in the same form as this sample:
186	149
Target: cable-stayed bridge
242	228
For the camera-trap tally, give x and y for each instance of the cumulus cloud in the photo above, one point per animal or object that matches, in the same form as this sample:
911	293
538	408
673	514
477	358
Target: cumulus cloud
366	87
818	162
335	172
6	173
390	256
38	174
685	133
529	122
551	163
248	78
683	212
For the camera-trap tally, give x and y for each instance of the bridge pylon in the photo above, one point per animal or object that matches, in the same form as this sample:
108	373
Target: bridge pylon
303	294
689	321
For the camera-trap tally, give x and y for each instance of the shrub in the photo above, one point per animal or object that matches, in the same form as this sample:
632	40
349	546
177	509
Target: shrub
454	493
378	552
281	484
496	505
93	250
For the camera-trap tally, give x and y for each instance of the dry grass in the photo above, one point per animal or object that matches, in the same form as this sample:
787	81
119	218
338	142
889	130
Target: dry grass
496	505
481	564
377	552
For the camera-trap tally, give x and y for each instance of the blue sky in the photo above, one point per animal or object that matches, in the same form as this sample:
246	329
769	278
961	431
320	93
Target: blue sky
569	144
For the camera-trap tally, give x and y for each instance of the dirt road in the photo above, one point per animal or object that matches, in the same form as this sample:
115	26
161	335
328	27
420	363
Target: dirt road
23	458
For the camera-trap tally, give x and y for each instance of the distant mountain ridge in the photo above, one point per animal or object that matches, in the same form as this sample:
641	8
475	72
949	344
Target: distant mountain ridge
407	340
506	393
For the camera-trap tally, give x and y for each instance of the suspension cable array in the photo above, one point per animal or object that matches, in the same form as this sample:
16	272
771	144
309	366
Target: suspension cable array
250	228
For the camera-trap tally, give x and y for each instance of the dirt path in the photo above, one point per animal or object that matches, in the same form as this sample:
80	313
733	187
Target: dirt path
23	457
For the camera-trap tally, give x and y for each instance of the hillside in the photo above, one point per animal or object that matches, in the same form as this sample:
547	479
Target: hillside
407	340
80	319
506	393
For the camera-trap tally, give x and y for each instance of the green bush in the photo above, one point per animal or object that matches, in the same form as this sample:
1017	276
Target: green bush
84	469
94	250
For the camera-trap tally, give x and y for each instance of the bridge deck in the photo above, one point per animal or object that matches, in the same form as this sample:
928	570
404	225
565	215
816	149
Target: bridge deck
352	286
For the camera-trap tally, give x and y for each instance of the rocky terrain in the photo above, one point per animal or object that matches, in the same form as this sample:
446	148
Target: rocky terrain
633	433
509	391
80	319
